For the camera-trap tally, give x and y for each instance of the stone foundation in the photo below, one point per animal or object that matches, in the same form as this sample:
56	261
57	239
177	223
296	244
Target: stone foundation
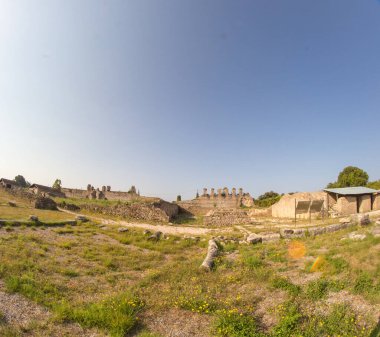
226	217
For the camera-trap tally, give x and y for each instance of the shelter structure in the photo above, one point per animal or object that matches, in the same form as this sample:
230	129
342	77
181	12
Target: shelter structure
351	200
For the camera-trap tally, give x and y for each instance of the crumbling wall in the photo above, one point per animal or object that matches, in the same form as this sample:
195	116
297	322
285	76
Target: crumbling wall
75	193
169	208
221	199
226	217
137	211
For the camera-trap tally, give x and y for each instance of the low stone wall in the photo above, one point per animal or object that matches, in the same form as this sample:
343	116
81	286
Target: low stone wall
226	217
313	231
138	211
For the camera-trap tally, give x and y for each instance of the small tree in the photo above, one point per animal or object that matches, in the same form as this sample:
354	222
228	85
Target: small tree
57	184
374	184
351	176
179	198
20	180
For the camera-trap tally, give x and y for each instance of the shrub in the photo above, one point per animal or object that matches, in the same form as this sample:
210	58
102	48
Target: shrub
116	315
231	323
317	289
283	283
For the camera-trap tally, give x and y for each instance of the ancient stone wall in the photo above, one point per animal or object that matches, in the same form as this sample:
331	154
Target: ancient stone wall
285	207
136	211
226	217
221	199
75	193
365	203
347	205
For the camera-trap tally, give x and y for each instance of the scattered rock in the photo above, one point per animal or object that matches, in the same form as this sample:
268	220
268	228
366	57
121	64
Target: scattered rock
123	229
356	236
378	222
69	207
254	238
147	232
361	219
12	204
270	237
155	237
292	233
45	203
33	218
345	220
81	218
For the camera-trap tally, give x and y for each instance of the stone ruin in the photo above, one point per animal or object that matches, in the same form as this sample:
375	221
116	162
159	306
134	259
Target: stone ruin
221	199
241	199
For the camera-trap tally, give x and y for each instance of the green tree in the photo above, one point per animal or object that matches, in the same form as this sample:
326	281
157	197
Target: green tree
374	184
57	184
21	181
350	176
179	198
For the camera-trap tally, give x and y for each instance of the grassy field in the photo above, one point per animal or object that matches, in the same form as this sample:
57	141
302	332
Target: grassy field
92	280
24	209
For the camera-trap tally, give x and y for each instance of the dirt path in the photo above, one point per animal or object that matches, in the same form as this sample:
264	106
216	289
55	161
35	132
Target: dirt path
166	229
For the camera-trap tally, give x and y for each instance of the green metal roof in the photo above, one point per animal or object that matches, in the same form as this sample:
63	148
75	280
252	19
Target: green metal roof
351	190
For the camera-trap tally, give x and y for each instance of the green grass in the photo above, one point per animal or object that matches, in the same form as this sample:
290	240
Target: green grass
115	315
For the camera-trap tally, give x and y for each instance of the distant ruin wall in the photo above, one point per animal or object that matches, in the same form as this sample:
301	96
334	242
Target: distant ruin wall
109	195
124	196
74	193
223	199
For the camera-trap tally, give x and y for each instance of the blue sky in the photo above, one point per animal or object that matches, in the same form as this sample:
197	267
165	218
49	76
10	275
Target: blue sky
173	96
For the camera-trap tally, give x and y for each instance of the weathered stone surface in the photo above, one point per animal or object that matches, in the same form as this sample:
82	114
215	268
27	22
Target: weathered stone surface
361	219
68	206
123	229
33	218
292	233
226	217
147	232
345	220
155	237
45	203
356	236
81	218
270	237
378	222
12	204
137	211
254	238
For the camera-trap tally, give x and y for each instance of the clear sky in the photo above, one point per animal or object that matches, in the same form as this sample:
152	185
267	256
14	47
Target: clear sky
173	96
